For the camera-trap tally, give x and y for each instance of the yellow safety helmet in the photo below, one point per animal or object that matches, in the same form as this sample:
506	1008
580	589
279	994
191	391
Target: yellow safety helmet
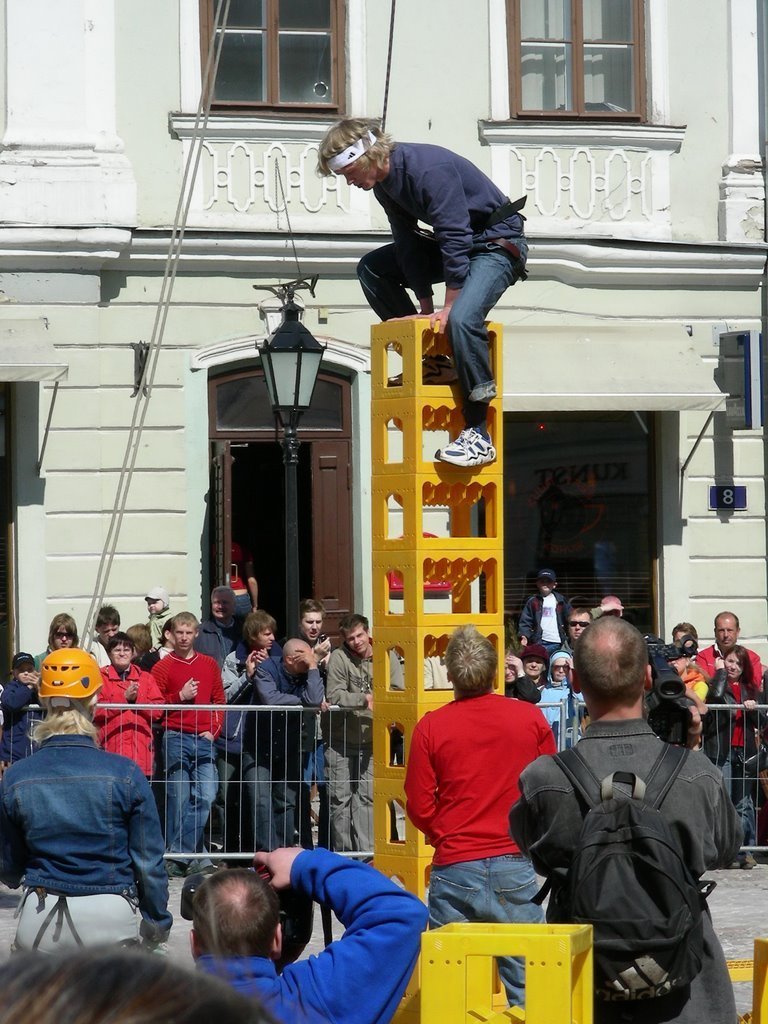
70	672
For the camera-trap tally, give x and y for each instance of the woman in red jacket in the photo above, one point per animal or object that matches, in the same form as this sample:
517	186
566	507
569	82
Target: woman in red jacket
127	732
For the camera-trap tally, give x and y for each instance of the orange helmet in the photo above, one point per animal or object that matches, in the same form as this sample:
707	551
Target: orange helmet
70	672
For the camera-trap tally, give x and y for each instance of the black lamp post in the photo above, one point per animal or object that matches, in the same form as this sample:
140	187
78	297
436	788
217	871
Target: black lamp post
291	359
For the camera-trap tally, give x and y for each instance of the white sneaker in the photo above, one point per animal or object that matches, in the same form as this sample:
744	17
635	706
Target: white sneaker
469	449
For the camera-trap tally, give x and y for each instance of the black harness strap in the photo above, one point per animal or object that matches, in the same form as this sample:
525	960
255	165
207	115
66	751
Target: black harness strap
505	211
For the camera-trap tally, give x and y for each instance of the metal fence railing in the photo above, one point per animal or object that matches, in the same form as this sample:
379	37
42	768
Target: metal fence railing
286	774
732	740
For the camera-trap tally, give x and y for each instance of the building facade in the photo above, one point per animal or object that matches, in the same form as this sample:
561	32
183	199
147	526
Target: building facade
636	129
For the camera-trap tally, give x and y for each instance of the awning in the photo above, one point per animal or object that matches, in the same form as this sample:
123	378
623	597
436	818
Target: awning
26	355
607	369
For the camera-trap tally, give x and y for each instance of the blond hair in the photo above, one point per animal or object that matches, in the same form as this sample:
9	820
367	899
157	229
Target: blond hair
74	720
471	662
345	133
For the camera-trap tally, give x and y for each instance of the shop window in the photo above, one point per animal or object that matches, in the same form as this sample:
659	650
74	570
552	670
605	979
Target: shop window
578	500
278	54
577	59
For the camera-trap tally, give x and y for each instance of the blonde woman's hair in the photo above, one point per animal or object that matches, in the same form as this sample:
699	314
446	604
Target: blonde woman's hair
74	720
343	134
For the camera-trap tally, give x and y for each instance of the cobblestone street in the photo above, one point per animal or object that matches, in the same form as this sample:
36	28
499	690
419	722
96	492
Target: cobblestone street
738	907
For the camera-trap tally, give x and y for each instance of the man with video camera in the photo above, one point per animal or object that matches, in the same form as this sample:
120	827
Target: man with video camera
631	771
238	935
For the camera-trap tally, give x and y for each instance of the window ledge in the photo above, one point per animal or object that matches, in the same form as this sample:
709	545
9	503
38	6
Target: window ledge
581	133
239	128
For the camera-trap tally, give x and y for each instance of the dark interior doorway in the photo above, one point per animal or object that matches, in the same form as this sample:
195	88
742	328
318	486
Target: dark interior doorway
258	519
247	493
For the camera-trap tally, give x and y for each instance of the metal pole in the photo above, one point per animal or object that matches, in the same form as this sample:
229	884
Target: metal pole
291	462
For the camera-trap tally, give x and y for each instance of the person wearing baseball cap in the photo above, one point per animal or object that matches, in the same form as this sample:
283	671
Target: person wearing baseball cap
544	619
20	709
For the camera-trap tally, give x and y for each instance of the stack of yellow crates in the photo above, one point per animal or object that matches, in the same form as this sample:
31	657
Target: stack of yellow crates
462	567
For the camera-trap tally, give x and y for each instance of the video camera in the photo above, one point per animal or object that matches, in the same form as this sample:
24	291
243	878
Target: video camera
668	709
296	913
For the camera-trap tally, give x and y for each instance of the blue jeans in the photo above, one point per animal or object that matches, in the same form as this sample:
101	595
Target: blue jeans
497	890
741	789
491	271
191	784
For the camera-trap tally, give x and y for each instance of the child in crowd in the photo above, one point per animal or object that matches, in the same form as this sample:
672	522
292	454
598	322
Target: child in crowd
21	709
158	606
544	619
141	638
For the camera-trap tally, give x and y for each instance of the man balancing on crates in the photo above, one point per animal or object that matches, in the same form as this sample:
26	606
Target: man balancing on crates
478	249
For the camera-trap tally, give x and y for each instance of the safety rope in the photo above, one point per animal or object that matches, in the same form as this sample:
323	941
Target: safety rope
141	407
279	184
389	64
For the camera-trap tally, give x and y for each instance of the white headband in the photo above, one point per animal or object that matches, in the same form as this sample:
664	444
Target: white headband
351	153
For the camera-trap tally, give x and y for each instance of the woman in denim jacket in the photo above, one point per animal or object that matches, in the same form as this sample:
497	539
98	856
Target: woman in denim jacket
79	828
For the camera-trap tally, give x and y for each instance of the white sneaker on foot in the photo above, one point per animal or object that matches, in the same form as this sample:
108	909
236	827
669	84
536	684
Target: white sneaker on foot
470	448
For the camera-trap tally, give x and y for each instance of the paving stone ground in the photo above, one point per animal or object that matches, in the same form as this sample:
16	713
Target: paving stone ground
739	908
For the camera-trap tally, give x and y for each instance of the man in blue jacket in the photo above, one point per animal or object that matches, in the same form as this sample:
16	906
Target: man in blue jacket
478	249
359	979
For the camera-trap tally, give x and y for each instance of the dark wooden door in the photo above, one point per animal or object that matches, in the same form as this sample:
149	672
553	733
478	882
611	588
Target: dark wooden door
332	528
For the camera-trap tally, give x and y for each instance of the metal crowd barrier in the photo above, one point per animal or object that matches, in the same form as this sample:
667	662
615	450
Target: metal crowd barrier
284	774
275	775
745	770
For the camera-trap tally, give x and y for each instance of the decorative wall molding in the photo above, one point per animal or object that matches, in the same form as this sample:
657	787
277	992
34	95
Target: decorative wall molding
595	262
587	178
338	354
257	173
62	161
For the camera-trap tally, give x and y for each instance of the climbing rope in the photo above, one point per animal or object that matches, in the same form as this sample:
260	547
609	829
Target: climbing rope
143	399
389	64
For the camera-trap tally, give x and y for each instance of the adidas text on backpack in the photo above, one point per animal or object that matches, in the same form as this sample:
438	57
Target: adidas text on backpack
628	879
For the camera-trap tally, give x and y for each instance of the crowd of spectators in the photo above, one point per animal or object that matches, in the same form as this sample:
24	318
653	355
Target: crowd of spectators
725	675
301	770
240	778
253	744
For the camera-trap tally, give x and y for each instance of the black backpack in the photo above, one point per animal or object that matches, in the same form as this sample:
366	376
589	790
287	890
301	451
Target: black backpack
629	880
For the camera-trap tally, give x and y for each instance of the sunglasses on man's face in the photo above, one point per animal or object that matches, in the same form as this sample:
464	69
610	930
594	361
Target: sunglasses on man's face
63	636
580	625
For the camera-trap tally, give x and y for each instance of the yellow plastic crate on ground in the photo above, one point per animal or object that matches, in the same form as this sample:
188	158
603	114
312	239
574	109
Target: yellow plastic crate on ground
458	971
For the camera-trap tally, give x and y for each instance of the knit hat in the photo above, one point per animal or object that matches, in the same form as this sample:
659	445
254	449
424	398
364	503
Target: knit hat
535	651
158	594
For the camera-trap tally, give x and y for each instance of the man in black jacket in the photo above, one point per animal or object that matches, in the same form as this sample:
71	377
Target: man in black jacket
612	662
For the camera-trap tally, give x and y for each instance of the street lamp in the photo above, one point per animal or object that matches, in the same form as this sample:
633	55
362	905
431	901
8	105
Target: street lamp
291	359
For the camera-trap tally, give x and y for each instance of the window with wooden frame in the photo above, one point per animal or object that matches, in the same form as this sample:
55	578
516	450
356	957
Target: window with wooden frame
278	54
577	59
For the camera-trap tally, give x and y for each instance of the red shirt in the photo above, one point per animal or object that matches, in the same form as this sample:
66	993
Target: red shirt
463	767
129	731
172	673
706	661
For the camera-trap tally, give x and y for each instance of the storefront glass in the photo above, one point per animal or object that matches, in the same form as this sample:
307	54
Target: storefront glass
578	500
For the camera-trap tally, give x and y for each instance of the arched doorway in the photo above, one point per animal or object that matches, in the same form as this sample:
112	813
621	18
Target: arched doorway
247	490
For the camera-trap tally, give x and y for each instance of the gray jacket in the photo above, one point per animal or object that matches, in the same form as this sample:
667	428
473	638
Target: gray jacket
546	822
349	680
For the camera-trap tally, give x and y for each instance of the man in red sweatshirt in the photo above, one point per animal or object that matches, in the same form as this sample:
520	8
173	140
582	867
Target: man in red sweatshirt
461	781
186	677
